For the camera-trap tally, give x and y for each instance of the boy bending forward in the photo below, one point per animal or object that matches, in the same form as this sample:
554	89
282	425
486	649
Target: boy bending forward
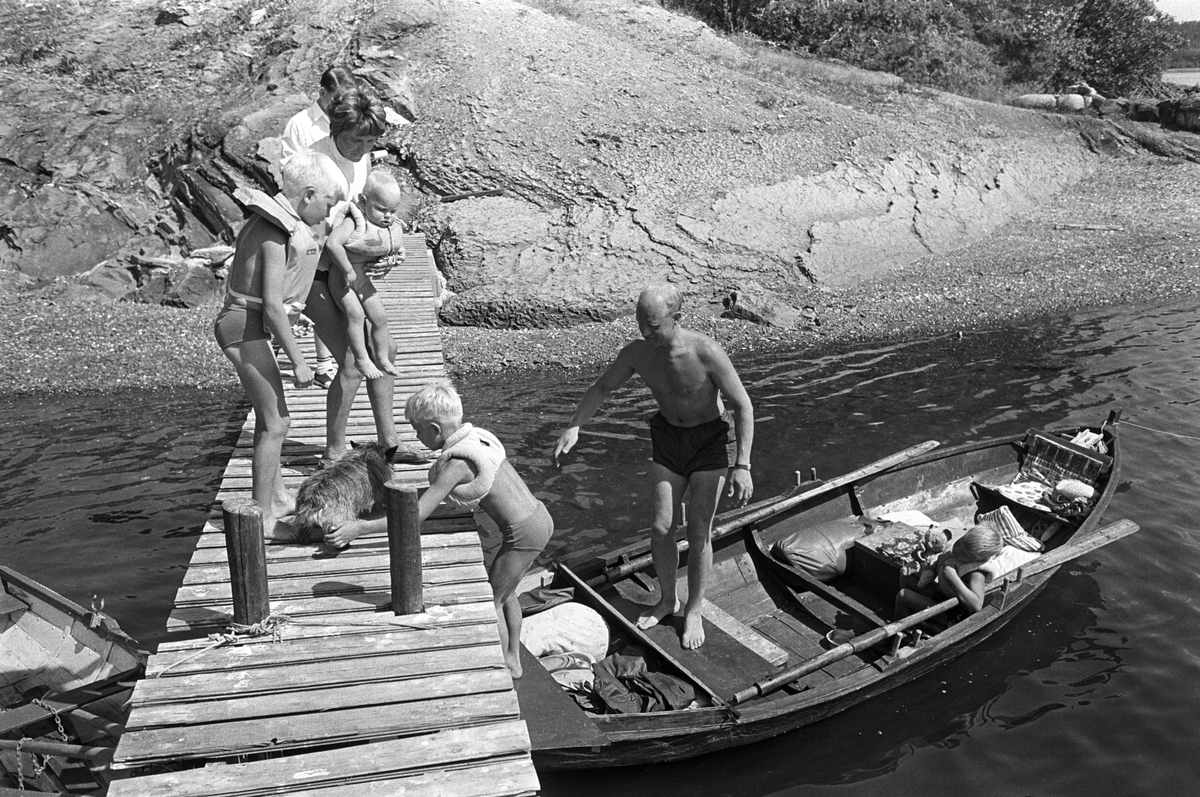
474	473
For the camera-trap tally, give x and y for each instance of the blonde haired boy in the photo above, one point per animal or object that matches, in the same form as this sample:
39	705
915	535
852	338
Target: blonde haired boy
274	260
473	472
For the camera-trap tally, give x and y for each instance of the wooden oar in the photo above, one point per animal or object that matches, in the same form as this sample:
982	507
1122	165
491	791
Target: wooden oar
642	638
60	749
829	486
1077	547
848	648
785	502
1059	556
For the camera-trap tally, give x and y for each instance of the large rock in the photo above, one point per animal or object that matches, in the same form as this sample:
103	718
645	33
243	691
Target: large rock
625	159
632	145
57	230
111	279
199	286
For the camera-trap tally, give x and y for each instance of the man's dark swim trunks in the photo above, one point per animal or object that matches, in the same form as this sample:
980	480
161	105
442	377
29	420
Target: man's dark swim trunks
687	449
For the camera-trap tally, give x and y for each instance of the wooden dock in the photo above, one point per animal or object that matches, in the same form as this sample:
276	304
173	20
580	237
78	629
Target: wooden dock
344	698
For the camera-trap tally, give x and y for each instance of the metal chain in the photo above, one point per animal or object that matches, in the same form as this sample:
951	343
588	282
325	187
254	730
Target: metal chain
37	771
62	734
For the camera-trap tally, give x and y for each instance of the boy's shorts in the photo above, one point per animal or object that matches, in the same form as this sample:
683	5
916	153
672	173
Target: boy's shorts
685	450
531	534
239	324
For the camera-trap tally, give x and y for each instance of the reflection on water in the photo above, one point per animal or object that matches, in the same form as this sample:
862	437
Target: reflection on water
1087	691
102	495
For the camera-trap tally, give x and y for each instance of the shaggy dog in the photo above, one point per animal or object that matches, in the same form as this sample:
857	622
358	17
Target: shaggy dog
343	491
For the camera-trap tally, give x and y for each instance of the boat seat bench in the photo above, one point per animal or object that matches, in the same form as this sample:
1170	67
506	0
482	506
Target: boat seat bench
10	603
65	702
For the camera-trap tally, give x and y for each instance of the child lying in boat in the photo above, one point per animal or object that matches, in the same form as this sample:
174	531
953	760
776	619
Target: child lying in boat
473	472
350	284
959	575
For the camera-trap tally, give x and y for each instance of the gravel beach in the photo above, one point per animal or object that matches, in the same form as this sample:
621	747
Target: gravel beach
1127	234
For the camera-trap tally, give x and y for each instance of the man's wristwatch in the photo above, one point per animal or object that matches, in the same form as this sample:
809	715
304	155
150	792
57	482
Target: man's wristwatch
740	466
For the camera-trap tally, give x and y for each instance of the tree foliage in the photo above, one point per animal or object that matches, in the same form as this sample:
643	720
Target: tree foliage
1187	55
969	46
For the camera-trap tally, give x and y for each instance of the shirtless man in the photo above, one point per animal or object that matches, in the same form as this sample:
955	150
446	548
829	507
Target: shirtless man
687	372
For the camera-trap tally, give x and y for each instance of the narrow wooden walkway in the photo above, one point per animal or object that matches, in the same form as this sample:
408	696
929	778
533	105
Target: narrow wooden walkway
346	698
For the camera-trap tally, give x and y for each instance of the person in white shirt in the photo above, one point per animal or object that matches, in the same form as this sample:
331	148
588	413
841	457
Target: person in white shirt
356	121
312	124
301	132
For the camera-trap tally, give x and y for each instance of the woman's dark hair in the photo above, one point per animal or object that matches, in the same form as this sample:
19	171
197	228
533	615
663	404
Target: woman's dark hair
356	111
337	77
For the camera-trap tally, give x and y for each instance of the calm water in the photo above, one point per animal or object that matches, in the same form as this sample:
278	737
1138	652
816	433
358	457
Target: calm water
1184	77
1088	691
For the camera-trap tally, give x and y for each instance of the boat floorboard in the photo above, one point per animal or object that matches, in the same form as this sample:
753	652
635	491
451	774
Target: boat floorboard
724	663
344	698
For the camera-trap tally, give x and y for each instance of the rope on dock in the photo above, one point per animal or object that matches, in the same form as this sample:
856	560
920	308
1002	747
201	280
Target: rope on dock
236	633
273	624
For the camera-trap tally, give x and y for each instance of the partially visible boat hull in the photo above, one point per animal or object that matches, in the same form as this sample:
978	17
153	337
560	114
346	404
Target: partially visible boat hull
65	676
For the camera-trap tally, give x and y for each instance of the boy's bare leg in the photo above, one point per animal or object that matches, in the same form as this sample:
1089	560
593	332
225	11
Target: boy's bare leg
356	319
504	575
381	337
667	489
259	373
705	492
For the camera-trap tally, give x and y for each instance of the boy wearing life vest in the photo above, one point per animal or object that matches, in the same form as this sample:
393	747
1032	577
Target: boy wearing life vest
474	473
351	249
274	260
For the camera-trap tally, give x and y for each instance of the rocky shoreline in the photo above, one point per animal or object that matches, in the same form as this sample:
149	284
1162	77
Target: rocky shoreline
1127	234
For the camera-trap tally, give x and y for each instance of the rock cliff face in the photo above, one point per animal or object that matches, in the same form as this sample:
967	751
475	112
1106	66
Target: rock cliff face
631	145
635	146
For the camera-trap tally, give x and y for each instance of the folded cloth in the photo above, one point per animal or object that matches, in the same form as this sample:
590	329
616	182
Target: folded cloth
569	660
1029	493
1014	534
1006	561
581	680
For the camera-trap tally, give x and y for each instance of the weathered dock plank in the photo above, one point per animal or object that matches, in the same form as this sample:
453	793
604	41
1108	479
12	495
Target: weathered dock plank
341	696
421	766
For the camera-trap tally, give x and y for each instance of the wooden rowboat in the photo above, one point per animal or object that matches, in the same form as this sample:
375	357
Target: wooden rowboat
66	674
784	649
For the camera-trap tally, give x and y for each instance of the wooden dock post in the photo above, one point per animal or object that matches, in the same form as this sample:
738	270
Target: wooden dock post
247	560
404	547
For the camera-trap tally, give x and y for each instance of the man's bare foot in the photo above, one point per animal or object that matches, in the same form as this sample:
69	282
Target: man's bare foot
656	615
514	665
367	368
282	532
693	630
407	453
285	505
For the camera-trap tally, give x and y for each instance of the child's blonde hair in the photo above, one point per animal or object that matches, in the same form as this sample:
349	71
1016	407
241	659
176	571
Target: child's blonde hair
979	544
311	169
380	180
437	401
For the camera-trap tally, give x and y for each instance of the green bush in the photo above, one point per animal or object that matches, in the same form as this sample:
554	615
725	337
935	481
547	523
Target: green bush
968	46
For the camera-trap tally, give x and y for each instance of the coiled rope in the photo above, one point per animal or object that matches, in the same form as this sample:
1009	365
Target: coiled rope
235	633
272	625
